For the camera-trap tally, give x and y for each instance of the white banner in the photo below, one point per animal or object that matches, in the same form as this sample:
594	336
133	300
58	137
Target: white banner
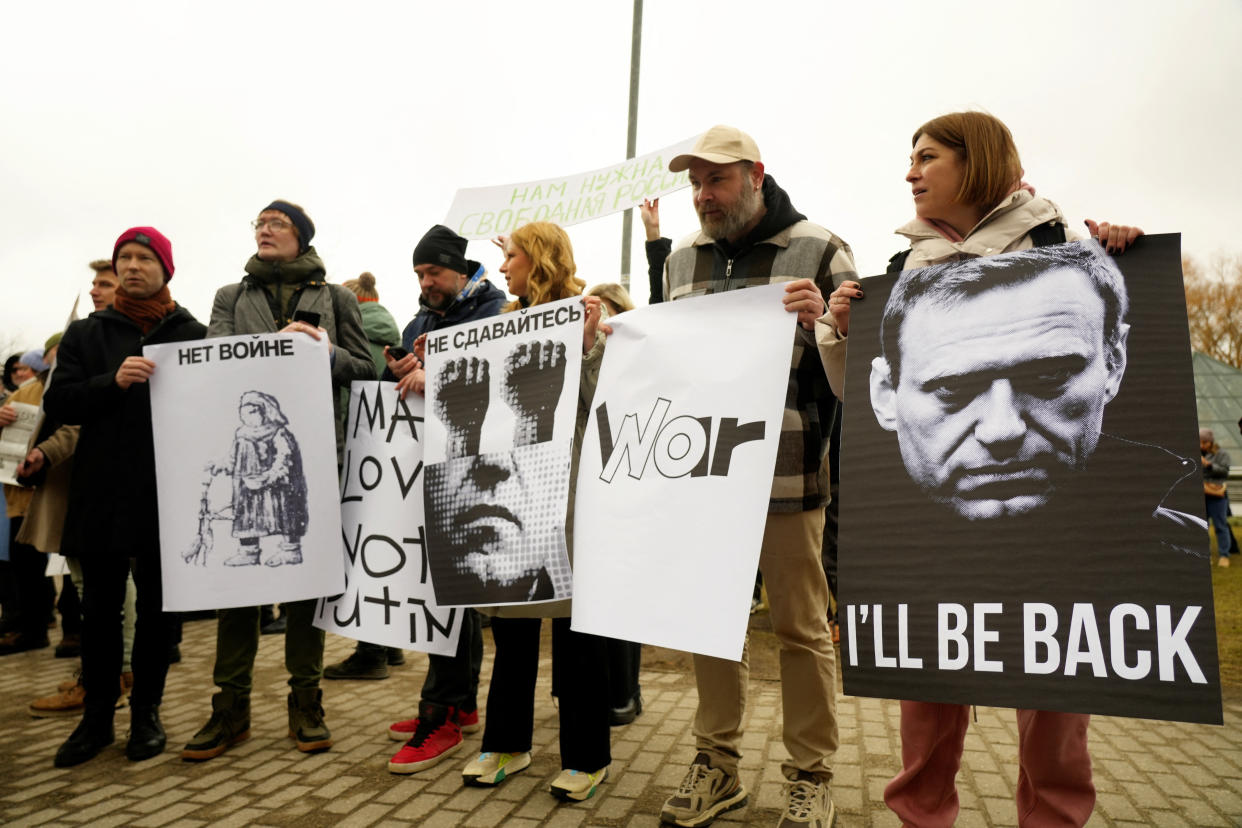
245	461
676	470
502	396
486	212
388	598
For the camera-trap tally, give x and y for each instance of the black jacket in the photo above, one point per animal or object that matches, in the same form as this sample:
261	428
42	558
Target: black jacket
112	495
485	301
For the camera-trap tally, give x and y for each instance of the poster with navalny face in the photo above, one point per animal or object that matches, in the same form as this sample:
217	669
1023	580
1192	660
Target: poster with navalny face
1022	514
502	400
245	460
388	597
676	470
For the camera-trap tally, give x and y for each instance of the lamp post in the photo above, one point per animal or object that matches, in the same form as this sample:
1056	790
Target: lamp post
631	138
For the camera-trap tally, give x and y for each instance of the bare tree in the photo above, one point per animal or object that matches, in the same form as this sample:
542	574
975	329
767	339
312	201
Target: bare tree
1214	307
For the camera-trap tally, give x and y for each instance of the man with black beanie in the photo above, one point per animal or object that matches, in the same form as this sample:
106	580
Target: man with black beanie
454	290
284	289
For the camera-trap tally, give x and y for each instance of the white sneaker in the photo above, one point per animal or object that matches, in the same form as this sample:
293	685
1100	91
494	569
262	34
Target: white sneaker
577	785
494	768
808	802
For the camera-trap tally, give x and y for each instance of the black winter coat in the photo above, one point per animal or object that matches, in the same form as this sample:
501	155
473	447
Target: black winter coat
112	494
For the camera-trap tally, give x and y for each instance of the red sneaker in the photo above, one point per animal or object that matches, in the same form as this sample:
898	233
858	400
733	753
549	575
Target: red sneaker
468	722
403	730
436	735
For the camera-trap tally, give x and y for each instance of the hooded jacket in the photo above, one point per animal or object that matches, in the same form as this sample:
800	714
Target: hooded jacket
112	494
269	296
783	247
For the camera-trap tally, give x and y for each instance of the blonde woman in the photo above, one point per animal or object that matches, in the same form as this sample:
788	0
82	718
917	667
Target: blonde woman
538	268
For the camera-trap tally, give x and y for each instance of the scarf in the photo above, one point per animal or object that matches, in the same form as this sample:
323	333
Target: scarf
283	279
954	236
148	312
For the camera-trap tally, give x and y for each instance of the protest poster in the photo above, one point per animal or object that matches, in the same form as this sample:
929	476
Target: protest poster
17	438
1022	515
676	470
245	461
487	212
388	598
502	398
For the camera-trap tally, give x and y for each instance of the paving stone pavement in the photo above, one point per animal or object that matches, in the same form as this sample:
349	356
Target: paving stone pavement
1147	773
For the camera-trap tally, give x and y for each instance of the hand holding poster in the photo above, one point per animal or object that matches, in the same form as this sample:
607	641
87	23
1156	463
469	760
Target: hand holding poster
388	598
1030	419
501	405
676	470
245	455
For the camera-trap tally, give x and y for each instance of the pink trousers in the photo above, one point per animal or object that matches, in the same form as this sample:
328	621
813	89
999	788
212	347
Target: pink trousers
1054	767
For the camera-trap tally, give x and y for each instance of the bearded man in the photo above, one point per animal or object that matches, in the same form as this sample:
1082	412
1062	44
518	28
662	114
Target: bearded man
751	235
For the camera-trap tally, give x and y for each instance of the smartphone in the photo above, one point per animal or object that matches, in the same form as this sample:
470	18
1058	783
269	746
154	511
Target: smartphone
309	317
397	354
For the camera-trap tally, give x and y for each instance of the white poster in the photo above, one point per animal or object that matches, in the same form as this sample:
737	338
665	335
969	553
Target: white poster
245	461
676	470
17	438
486	212
388	598
502	398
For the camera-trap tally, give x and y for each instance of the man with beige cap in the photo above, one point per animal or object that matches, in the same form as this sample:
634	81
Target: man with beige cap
751	235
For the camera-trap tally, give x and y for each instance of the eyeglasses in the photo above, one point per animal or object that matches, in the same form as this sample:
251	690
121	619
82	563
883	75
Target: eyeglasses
275	224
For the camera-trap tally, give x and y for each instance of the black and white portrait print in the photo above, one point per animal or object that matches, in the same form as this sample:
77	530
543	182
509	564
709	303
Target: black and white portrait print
1023	525
496	503
269	498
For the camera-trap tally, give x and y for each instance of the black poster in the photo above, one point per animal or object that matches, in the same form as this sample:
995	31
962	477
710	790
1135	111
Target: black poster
1023	519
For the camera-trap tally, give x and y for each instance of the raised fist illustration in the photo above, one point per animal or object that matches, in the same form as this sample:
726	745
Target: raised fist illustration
534	379
462	396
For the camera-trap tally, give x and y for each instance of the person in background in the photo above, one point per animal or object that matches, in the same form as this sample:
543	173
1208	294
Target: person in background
10	364
624	657
377	322
45	515
103	286
1215	462
657	247
616	299
32	589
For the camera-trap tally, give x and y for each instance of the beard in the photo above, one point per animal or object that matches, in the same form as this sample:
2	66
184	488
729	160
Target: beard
732	222
438	301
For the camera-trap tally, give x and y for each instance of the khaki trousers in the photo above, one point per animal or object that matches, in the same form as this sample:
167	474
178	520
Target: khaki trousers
798	597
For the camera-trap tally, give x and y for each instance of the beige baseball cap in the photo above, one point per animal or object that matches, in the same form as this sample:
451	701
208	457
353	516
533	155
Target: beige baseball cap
721	145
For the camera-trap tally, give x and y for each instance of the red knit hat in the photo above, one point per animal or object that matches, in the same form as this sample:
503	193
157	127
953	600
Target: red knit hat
152	238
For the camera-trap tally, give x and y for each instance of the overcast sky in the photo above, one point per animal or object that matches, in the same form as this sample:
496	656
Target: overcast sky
193	116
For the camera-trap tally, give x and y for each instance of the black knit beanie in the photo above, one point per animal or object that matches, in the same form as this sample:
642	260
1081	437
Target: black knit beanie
306	227
441	246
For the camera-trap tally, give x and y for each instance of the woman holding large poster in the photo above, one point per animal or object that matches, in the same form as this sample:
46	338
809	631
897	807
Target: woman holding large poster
970	201
539	268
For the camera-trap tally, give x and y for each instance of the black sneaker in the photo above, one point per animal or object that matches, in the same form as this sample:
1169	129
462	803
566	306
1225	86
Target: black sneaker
357	666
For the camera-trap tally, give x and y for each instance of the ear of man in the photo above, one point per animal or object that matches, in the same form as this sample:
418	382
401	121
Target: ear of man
883	394
1116	361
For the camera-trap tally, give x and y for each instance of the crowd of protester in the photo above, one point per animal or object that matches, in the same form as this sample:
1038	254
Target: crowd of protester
88	492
